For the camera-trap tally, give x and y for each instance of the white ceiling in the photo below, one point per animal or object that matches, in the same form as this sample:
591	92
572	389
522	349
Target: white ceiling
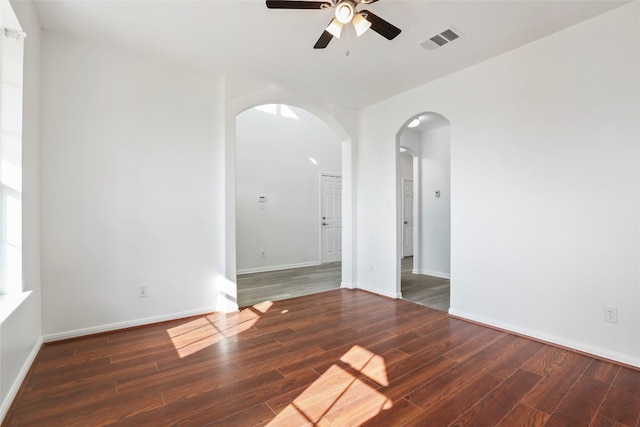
243	38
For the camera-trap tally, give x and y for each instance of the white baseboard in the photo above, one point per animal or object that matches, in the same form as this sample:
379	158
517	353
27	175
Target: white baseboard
553	339
15	387
378	291
128	324
438	274
277	267
346	285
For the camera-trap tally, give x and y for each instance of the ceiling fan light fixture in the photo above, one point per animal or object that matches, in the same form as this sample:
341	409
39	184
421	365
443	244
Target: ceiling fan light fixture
345	12
360	24
334	28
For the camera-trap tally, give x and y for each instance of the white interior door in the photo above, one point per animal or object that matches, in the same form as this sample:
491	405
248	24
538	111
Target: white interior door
407	218
331	218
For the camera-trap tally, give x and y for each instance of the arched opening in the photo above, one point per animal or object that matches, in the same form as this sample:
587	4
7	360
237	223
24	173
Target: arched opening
288	204
424	210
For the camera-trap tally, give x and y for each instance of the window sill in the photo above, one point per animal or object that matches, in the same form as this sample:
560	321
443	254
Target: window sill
10	303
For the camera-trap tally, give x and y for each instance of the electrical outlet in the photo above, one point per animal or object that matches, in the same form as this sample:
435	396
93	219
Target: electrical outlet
611	315
262	253
143	292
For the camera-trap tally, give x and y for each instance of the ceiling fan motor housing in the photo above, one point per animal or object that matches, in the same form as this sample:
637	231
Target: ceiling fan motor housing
345	11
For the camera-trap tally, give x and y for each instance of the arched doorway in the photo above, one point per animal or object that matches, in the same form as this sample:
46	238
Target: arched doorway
288	202
424	278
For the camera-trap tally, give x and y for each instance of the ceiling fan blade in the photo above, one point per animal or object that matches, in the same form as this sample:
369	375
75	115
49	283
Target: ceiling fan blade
294	4
323	41
382	27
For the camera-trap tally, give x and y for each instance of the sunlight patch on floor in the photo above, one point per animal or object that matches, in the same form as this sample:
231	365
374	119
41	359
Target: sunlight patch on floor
369	364
203	332
358	373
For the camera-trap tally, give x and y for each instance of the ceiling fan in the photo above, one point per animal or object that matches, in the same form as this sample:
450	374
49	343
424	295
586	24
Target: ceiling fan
345	11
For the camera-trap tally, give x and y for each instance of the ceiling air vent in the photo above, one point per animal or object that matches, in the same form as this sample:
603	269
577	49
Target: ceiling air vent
443	37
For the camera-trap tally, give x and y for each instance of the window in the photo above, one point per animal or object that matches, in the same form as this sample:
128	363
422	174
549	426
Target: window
278	110
11	53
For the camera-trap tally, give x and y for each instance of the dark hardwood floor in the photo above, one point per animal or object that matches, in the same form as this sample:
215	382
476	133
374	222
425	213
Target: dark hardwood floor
337	358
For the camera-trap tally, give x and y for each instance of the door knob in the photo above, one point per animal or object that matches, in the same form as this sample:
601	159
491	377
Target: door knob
324	223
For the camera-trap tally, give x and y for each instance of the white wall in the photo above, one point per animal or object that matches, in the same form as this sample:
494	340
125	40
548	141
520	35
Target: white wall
544	183
20	333
410	139
435	220
132	151
273	159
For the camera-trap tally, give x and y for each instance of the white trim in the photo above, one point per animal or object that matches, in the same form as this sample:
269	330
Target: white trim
15	387
379	292
128	324
433	273
277	267
561	341
10	303
346	285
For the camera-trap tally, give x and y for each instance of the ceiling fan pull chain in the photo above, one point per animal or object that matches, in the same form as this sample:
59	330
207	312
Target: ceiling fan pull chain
348	51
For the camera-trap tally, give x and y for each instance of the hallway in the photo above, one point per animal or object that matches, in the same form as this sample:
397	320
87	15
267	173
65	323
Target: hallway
284	284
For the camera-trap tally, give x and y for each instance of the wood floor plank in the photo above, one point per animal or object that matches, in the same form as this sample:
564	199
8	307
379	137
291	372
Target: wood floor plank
70	373
447	409
196	377
548	361
360	368
36	409
339	386
622	405
229	386
430	352
379	412
580	404
437	344
490	349
628	379
278	357
600	421
255	415
323	361
436	389
602	371
524	416
560	373
85	410
207	408
499	402
343	357
524	350
474	345
405	385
